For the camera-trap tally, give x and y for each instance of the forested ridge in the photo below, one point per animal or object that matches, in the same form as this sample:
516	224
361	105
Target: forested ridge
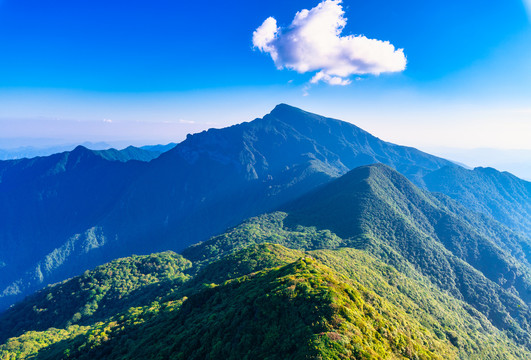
366	267
68	212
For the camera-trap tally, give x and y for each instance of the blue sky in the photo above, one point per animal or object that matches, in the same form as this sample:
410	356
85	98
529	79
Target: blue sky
153	71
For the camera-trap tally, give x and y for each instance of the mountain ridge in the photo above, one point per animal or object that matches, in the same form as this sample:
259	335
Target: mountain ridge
501	195
242	295
208	183
417	234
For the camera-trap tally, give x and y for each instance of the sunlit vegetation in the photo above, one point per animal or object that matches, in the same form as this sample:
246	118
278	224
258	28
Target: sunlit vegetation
97	294
369	268
355	306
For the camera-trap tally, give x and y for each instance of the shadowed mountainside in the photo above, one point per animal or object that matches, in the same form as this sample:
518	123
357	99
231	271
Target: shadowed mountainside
378	268
501	195
65	213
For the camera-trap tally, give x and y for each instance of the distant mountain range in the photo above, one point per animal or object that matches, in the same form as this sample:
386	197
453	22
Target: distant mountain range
501	195
21	152
515	161
143	153
365	266
63	214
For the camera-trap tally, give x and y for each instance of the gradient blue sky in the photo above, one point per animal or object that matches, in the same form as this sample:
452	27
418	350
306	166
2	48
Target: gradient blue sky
152	71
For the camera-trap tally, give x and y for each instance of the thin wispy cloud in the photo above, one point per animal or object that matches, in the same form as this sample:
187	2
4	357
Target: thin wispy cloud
313	43
527	4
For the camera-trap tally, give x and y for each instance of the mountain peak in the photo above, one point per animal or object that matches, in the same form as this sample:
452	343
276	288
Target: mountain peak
285	107
80	152
81	149
292	114
356	191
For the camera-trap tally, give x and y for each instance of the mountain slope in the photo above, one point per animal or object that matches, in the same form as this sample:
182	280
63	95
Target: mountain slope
377	209
97	294
69	212
44	202
277	303
301	310
440	286
72	211
500	195
131	153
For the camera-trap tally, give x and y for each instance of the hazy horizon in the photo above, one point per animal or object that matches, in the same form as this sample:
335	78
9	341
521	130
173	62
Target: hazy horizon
420	74
515	161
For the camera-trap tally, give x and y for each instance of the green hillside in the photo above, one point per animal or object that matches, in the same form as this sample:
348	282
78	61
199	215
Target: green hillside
284	304
404	225
501	195
97	294
365	267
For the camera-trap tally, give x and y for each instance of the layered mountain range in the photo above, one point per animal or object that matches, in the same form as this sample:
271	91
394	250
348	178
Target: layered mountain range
366	266
65	213
144	153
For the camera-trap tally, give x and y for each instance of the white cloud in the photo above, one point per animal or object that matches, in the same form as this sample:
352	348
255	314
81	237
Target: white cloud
183	121
313	42
265	35
332	80
108	121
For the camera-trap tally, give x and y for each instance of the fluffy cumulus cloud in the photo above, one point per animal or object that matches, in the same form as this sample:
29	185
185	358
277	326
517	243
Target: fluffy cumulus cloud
313	42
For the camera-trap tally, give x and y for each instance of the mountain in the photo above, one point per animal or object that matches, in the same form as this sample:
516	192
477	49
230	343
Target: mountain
376	209
501	195
45	202
515	161
34	151
144	153
159	148
220	177
131	153
381	211
366	266
66	213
